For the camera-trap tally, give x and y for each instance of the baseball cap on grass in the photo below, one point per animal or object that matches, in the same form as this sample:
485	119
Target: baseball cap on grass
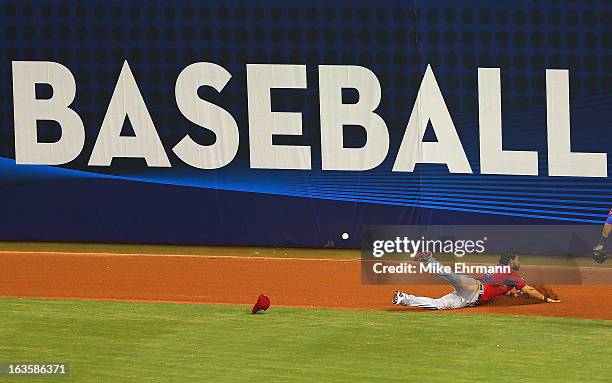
262	304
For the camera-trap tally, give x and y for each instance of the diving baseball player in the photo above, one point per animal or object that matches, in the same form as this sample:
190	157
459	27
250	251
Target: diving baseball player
471	291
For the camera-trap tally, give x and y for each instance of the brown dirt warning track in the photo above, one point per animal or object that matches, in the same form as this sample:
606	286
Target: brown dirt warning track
239	280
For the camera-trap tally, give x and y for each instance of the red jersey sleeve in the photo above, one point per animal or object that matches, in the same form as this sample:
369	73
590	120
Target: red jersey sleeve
515	280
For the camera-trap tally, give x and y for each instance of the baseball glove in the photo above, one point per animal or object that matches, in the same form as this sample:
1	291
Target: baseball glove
599	256
517	293
547	292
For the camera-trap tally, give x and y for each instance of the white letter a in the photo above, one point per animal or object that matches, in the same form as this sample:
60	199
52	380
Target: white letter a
128	102
430	106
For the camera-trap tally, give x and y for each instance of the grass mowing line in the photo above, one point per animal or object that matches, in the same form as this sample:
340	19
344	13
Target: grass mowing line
125	342
175	302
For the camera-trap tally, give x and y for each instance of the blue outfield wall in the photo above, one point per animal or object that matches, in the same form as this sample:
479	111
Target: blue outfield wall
242	203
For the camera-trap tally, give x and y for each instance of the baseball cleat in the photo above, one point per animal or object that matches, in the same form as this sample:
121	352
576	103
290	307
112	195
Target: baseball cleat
600	256
423	256
399	298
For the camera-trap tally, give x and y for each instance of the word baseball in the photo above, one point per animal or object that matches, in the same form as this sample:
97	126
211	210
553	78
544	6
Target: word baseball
430	106
411	246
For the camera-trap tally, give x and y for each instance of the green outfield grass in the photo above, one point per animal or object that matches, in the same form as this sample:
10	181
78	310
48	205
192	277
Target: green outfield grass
135	342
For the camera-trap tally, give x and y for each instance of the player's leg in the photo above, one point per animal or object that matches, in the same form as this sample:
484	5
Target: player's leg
447	302
466	286
599	251
605	232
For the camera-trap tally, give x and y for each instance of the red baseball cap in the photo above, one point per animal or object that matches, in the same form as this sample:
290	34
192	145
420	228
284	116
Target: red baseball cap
262	304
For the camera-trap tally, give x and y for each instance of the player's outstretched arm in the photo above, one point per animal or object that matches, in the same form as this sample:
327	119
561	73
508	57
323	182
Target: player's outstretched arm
530	291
